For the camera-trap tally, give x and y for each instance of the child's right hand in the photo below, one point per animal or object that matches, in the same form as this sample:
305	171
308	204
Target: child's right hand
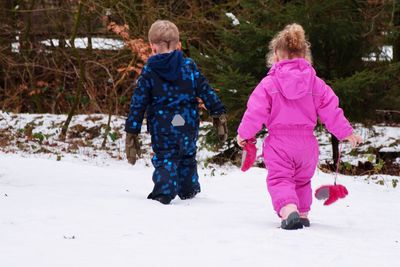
220	124
354	140
240	141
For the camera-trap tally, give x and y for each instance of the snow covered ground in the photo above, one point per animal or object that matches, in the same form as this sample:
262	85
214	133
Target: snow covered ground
74	204
71	213
39	134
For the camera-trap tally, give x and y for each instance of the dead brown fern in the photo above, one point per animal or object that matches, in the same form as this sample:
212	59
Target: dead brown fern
142	52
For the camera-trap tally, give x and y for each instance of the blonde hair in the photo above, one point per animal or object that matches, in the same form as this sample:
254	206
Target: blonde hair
164	32
291	40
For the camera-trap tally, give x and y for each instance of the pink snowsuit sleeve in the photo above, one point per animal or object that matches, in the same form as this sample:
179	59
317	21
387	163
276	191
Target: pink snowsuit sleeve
257	112
329	112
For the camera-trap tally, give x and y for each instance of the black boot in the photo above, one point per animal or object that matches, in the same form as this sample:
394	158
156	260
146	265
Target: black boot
190	195
164	199
292	222
305	222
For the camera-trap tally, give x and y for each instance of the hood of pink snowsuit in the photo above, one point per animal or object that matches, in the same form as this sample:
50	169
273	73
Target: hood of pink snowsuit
291	98
293	78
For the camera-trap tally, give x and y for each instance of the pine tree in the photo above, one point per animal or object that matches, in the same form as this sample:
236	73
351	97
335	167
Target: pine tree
339	31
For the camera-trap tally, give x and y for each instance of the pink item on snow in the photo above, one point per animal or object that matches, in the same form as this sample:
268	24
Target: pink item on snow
331	193
288	102
249	154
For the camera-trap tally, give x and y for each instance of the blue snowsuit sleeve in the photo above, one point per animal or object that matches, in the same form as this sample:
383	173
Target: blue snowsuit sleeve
207	94
140	101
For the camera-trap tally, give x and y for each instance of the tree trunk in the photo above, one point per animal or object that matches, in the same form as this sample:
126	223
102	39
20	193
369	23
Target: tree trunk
27	47
89	30
396	43
81	73
6	39
6	19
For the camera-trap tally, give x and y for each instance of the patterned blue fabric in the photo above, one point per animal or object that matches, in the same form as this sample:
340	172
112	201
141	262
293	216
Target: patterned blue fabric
167	87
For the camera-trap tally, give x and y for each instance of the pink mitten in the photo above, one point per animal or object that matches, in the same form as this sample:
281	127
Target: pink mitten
249	154
331	193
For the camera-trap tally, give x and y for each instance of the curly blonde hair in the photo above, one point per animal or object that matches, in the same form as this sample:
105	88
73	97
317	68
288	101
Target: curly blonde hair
292	41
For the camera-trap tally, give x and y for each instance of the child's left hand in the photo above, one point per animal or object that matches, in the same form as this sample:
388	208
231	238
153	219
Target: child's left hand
354	140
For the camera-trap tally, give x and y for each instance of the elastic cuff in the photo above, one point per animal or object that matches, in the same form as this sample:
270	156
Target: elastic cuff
244	136
342	137
304	210
132	131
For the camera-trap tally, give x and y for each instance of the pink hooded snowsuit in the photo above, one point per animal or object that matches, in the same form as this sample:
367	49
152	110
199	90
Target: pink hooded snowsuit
288	101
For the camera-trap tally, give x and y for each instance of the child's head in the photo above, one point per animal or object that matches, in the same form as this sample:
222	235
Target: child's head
164	37
289	43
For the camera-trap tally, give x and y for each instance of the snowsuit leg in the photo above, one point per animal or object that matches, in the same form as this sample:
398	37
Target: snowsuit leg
291	158
175	165
306	163
187	169
165	162
280	180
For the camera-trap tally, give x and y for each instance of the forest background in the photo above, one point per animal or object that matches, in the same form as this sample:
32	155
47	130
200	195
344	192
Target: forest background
83	57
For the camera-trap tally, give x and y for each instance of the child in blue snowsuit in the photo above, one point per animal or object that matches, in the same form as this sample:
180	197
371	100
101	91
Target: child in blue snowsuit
167	90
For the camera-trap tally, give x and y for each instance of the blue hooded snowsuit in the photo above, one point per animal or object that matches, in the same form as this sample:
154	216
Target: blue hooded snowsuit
166	90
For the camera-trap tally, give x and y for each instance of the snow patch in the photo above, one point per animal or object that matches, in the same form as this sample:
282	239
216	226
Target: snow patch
82	43
235	21
386	54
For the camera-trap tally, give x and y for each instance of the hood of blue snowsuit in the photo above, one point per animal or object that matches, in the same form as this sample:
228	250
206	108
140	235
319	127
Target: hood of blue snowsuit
167	66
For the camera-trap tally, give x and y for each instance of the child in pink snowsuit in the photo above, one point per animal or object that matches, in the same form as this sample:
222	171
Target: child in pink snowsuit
288	101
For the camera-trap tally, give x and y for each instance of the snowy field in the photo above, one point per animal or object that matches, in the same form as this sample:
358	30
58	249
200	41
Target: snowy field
90	209
69	213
